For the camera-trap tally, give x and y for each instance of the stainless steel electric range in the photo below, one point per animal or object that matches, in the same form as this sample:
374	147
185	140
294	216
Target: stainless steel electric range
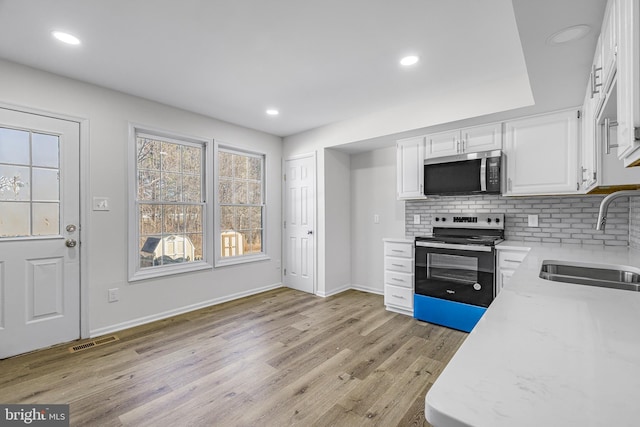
455	269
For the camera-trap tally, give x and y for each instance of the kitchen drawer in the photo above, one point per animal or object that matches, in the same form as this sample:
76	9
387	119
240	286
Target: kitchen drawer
403	250
510	259
399	297
398	279
403	265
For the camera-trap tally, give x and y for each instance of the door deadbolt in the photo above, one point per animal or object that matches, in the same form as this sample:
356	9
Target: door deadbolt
71	243
310	232
71	228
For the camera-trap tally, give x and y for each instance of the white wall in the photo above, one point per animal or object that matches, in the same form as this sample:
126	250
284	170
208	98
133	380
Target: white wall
373	192
104	237
337	223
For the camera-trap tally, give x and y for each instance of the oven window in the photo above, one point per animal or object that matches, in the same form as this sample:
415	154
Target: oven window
462	270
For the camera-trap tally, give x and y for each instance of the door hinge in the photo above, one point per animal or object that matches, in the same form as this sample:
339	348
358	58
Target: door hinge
578	113
594	175
577	186
285	224
285	271
636	133
284	177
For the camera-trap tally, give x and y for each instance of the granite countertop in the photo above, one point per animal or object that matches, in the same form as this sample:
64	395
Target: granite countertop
547	353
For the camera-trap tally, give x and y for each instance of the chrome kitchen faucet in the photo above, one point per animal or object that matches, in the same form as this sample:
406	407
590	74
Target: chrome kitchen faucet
604	205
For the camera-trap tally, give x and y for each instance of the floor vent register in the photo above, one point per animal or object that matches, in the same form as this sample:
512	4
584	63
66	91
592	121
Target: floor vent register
92	344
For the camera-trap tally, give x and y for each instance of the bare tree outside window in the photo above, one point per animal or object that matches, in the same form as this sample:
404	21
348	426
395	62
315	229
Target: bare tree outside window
169	200
241	201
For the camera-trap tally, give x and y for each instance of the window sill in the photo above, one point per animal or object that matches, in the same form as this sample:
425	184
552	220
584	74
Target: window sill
169	270
242	259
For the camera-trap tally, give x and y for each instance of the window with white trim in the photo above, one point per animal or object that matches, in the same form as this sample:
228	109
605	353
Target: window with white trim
240	206
169	215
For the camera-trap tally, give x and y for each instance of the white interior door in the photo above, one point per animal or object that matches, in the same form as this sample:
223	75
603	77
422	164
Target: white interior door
299	238
39	228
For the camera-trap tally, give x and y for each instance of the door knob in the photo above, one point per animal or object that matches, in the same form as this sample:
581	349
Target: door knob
71	243
310	232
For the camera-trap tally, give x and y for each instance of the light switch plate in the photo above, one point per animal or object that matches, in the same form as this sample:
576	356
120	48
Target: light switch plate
376	219
416	219
114	295
533	220
101	204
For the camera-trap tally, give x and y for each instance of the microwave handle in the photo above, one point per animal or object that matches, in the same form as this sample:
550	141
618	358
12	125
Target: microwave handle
483	174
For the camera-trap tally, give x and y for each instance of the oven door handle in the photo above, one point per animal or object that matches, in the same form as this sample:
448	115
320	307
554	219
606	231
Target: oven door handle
474	248
483	174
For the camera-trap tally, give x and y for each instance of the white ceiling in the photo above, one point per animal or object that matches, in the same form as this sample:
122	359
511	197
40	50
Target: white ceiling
318	62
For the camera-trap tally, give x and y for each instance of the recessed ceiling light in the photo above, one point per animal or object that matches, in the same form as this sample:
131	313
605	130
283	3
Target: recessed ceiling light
569	34
273	112
409	60
65	37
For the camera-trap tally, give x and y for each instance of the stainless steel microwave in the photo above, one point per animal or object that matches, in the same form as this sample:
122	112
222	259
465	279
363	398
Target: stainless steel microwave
472	173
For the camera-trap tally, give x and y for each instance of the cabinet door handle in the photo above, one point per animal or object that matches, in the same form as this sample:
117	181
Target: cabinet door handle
397	280
397	250
595	87
509	184
606	134
513	260
397	265
398	296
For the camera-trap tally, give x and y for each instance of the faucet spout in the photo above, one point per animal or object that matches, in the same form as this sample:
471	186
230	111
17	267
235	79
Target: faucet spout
604	205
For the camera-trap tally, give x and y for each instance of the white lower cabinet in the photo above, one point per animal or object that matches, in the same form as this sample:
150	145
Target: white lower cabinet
508	261
398	275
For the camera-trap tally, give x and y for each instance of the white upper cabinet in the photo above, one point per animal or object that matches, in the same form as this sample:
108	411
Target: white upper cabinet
609	43
628	81
482	138
588	159
542	154
410	168
467	140
443	144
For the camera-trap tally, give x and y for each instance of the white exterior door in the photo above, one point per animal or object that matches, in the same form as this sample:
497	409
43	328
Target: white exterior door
299	238
39	225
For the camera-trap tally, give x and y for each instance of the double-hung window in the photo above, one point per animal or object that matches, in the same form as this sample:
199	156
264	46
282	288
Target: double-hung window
169	218
240	206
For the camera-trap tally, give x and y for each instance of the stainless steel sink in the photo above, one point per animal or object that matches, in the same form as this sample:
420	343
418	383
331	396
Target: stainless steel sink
602	275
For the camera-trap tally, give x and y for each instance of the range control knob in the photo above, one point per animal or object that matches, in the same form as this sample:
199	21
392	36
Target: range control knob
497	220
489	220
444	219
437	219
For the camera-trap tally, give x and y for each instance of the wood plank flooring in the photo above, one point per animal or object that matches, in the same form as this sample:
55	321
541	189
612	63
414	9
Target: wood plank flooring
279	358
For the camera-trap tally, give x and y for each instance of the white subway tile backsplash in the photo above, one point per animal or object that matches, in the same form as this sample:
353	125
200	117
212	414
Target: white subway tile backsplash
561	219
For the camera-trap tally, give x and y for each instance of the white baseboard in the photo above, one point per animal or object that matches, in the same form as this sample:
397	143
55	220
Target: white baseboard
367	289
348	287
334	291
148	319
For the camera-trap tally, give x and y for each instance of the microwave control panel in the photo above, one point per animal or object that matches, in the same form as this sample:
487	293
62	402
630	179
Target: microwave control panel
493	175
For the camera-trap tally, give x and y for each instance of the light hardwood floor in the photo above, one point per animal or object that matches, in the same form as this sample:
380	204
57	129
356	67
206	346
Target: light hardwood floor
279	358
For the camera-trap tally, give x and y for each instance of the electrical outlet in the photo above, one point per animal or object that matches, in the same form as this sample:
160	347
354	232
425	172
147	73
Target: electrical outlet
416	219
114	295
376	219
533	220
